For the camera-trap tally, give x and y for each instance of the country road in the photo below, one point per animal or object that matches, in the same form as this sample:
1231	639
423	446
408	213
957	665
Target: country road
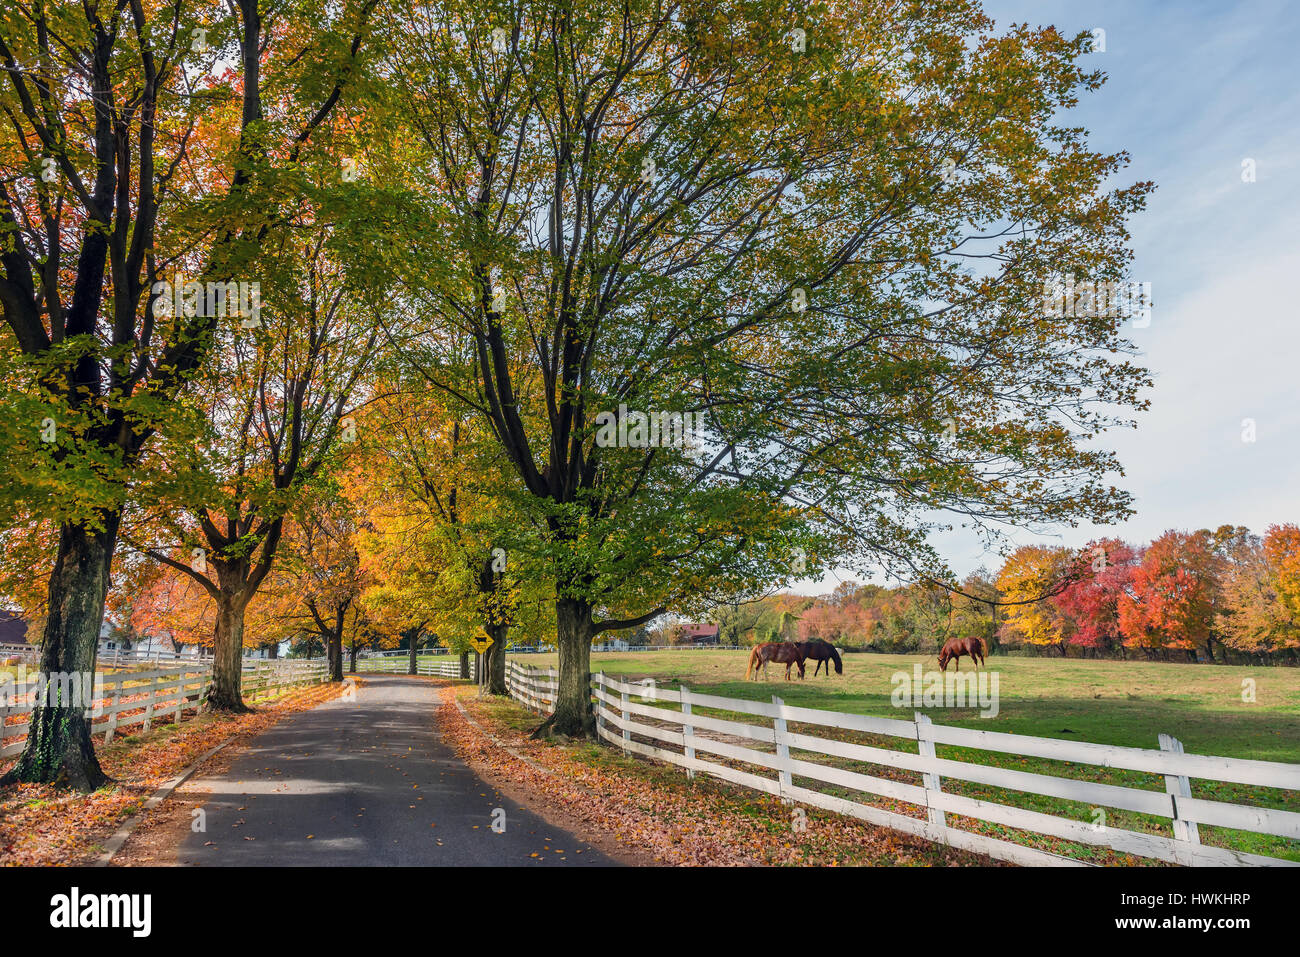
366	781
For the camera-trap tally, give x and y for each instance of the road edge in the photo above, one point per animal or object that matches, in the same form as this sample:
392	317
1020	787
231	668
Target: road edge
128	827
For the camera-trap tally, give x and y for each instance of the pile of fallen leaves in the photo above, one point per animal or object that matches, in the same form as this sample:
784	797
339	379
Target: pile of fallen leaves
654	812
41	824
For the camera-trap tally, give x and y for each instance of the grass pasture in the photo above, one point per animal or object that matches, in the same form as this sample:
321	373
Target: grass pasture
1106	702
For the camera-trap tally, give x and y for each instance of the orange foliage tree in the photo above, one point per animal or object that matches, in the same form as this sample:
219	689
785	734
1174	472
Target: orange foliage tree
1173	598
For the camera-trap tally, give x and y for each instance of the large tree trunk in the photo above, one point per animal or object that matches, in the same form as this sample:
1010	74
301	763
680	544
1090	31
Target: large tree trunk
495	660
228	650
336	656
58	748
412	666
573	715
352	659
492	663
464	664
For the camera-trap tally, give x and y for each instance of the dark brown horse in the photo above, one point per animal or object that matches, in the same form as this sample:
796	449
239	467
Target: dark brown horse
822	652
782	652
954	648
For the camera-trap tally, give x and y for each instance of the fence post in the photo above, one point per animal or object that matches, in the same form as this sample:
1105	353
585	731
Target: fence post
688	731
782	747
1176	786
599	679
4	715
113	703
627	734
930	779
148	707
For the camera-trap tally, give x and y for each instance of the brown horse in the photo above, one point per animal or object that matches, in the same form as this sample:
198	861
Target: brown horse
822	652
954	648
782	652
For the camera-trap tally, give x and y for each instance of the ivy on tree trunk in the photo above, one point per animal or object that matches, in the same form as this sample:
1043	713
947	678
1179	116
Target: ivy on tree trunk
58	748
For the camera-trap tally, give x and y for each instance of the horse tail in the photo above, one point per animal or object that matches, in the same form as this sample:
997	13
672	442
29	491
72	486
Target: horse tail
839	665
753	657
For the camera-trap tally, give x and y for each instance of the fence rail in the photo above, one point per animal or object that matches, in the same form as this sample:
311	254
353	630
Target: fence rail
120	658
447	667
130	699
402	653
631	715
610	648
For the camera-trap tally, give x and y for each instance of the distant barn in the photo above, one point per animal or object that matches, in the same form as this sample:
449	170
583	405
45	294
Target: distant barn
697	634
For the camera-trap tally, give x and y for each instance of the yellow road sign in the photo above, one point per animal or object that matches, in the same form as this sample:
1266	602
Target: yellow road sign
480	644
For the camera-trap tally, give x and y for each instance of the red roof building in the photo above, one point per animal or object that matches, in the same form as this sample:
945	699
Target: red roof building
698	634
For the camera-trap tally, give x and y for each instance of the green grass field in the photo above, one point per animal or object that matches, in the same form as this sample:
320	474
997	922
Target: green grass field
1106	702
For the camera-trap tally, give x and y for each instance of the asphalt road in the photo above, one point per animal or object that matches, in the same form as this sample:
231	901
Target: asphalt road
367	781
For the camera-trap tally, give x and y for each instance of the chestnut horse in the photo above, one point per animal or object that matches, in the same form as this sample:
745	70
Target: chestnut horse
782	652
954	648
823	652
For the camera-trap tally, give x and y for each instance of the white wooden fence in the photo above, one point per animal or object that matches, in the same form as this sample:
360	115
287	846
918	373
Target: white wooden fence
138	698
18	652
631	715
535	687
444	666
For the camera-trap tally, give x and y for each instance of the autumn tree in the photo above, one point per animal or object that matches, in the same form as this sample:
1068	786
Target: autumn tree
109	187
320	581
27	553
831	248
1260	608
1029	579
1090	600
99	105
173	604
1173	597
1282	550
446	521
274	396
975	608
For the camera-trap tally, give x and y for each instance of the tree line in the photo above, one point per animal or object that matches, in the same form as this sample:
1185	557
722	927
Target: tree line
1223	596
315	319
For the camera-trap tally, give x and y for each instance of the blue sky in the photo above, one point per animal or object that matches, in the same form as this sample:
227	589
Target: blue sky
1193	90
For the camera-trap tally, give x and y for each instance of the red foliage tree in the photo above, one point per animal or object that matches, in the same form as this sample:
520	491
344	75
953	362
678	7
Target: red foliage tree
1103	577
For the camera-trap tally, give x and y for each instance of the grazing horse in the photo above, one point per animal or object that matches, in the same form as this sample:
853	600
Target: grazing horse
823	652
954	648
782	652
